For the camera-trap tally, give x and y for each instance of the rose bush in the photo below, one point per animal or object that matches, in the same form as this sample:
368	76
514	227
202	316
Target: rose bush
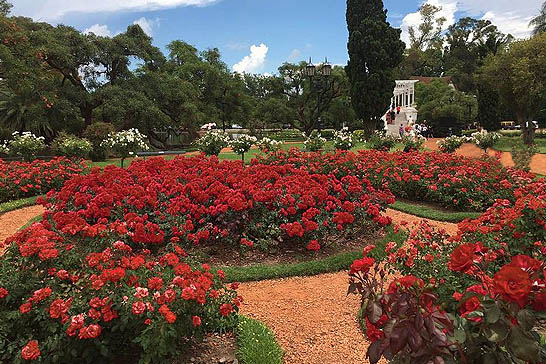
450	180
24	179
487	280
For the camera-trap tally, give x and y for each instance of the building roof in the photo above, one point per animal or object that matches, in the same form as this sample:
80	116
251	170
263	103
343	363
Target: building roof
427	80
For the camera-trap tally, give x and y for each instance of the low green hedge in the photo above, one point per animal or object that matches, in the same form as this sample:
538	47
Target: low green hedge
17	204
433	214
256	343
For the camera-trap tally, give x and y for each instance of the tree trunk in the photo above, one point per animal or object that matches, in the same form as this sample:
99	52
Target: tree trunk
527	130
87	113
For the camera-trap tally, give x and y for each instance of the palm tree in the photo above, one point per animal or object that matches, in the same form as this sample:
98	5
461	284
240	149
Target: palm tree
539	22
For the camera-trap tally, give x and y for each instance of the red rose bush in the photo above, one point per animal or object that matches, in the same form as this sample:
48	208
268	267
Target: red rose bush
26	179
447	179
106	275
488	280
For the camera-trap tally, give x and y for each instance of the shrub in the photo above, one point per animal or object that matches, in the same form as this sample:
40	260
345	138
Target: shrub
379	140
97	296
488	280
71	146
242	144
267	145
96	133
4	149
453	181
343	139
212	142
314	142
451	144
413	142
26	145
483	139
522	155
125	143
24	179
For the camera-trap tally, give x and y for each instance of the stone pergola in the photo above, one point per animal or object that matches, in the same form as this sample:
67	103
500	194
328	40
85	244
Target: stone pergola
404	94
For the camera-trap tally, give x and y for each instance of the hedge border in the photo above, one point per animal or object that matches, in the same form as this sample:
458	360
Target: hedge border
18	204
332	264
257	343
433	214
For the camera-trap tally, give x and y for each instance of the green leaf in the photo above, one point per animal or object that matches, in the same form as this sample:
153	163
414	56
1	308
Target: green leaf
496	332
522	346
492	314
526	320
460	336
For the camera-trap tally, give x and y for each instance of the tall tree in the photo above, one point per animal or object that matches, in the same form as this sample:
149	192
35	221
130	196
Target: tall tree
5	7
539	22
519	75
375	49
428	34
488	107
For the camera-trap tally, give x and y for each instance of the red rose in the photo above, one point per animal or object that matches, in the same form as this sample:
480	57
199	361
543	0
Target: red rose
362	265
25	307
313	246
3	293
372	332
526	263
462	258
31	350
196	321
138	308
226	309
513	283
470	305
405	282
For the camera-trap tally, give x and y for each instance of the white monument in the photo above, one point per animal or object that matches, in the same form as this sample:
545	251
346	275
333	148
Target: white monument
402	107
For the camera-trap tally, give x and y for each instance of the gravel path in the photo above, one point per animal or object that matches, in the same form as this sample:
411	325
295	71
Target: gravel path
12	221
538	163
313	318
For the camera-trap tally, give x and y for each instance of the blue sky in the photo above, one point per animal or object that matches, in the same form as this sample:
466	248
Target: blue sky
279	30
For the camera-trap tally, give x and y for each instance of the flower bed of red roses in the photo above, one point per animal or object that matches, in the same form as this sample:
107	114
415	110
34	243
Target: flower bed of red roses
106	273
26	179
490	278
453	181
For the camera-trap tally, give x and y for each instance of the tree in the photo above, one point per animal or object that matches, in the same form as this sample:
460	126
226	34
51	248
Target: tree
428	34
5	7
519	75
539	22
488	107
444	108
293	86
375	49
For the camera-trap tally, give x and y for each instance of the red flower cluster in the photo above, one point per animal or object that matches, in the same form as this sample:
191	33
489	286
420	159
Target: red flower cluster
24	179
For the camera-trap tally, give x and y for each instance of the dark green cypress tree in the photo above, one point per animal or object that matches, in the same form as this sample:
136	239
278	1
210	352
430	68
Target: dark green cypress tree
488	107
375	49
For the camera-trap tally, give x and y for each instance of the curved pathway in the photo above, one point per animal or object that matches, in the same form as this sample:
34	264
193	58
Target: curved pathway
538	163
12	221
313	318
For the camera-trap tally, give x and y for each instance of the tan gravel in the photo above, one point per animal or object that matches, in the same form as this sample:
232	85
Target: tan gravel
313	318
538	163
12	221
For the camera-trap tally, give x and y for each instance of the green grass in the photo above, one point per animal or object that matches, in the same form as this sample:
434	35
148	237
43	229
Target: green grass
505	144
31	221
17	204
256	343
433	214
331	264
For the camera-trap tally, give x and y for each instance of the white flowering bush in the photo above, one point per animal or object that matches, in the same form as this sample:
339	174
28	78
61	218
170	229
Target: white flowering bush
343	139
451	144
71	146
242	144
267	145
314	142
26	145
484	139
212	142
4	149
379	140
125	143
209	126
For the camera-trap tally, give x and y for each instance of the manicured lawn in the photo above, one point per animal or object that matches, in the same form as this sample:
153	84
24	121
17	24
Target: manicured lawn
505	143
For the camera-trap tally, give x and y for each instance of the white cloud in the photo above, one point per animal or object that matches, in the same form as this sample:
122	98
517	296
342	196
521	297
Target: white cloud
253	62
52	10
98	29
147	25
295	55
508	15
